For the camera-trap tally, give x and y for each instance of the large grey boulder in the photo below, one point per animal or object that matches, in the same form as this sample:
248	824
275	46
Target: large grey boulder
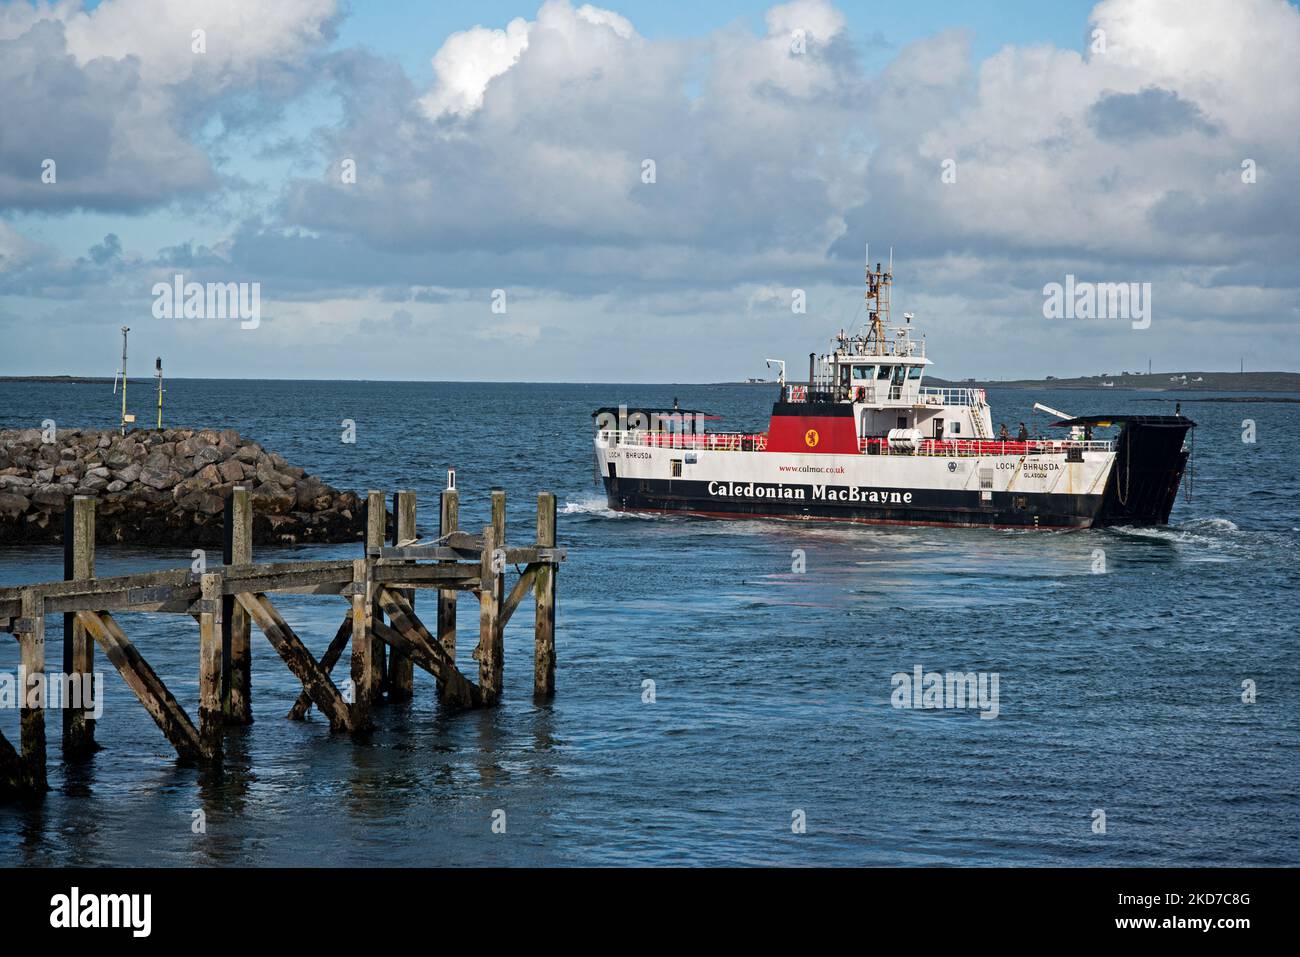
159	478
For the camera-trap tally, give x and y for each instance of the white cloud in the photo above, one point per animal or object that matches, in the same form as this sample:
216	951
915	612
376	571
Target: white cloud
542	131
469	60
16	250
1235	57
1036	168
239	33
619	24
816	18
115	94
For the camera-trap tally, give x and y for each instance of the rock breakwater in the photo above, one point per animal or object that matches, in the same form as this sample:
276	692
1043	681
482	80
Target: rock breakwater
163	487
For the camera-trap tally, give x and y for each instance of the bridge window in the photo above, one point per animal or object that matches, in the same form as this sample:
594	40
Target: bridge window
864	373
884	372
914	372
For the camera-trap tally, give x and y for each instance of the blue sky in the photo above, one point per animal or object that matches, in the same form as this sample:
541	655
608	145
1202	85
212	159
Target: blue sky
402	27
501	209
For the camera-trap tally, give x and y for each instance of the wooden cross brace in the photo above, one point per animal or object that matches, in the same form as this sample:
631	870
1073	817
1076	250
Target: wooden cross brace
315	680
148	687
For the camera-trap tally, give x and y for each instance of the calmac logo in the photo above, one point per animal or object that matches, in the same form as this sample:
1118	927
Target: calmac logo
811	438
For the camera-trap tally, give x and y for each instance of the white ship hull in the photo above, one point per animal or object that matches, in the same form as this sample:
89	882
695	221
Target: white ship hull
1026	490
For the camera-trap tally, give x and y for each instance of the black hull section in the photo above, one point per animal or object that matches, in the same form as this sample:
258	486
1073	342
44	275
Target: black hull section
929	507
1148	469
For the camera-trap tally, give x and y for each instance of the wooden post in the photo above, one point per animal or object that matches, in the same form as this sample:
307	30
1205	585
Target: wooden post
544	591
211	616
499	516
489	650
365	667
236	628
78	647
499	589
32	688
448	522
401	670
376	527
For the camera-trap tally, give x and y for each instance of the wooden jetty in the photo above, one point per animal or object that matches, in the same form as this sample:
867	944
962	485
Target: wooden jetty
386	637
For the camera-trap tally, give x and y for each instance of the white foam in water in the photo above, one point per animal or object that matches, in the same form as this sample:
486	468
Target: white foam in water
599	507
1207	534
1211	525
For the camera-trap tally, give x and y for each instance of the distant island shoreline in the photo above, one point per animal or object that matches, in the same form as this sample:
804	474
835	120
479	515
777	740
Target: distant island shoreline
1154	382
74	379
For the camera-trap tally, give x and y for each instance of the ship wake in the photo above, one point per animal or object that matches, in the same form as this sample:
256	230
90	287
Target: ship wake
597	506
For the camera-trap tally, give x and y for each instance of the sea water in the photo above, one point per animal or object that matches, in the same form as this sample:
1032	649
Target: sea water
725	688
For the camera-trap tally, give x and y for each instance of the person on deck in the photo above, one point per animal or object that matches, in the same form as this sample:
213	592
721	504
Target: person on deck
1003	434
1023	434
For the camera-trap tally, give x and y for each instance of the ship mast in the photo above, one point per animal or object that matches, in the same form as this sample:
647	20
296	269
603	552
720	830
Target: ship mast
877	295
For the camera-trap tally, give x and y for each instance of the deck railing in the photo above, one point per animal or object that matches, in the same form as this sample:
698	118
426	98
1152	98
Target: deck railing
937	396
707	441
881	392
965	448
757	442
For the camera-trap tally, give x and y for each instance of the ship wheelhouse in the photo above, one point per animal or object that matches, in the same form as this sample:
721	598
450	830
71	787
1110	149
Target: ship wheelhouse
882	377
881	374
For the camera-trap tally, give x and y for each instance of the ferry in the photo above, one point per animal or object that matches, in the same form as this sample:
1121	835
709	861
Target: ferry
865	440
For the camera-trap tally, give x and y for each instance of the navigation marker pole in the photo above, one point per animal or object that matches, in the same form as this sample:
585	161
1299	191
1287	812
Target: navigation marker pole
157	374
122	374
